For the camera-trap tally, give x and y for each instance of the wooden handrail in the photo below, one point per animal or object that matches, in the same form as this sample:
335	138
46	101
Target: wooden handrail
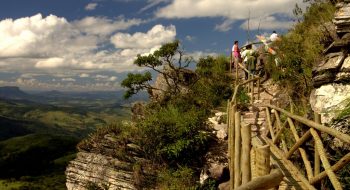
320	149
312	124
303	154
339	165
241	84
301	141
265	182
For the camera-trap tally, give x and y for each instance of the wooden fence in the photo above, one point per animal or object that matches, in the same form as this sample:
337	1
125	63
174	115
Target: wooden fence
280	123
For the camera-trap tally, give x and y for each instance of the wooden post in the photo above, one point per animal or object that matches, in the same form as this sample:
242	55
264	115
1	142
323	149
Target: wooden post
236	65
232	145
264	182
237	164
246	146
228	121
269	123
259	89
317	156
231	63
262	160
252	91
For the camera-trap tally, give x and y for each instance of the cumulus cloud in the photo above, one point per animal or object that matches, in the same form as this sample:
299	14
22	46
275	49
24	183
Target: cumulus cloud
225	26
190	38
50	63
68	80
50	42
84	75
52	45
158	35
152	3
231	10
91	6
105	26
105	78
266	23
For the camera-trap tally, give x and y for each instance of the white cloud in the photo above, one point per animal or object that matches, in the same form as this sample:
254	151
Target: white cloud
91	6
84	75
105	26
225	26
59	49
68	79
230	10
198	54
54	43
113	78
152	3
156	36
190	38
53	62
266	23
105	78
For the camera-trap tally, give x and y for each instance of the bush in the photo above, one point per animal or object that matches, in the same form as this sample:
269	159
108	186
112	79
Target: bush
300	49
173	135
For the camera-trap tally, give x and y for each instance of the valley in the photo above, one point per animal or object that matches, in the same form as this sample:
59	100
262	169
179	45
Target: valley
39	132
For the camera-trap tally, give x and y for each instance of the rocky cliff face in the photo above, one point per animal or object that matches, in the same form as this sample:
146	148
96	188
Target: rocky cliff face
105	162
332	76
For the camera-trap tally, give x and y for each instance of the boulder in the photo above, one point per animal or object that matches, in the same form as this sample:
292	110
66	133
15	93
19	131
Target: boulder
342	125
333	62
329	99
224	186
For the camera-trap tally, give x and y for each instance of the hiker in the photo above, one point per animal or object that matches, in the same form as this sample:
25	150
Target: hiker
274	36
236	54
249	60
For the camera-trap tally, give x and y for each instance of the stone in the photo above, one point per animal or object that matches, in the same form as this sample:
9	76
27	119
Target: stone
333	63
346	65
322	79
342	125
224	186
329	99
216	171
342	77
96	169
222	134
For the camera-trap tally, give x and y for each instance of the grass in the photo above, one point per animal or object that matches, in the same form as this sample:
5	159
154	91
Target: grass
37	141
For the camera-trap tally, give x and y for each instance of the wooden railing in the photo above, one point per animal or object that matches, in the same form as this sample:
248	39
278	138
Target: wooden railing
313	131
239	142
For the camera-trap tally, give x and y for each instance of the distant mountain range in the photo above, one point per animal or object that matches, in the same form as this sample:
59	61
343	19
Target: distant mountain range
15	93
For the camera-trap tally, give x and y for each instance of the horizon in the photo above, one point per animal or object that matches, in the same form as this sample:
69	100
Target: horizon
90	45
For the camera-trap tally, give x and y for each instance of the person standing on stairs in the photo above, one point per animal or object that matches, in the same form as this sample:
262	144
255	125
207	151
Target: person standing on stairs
236	54
249	59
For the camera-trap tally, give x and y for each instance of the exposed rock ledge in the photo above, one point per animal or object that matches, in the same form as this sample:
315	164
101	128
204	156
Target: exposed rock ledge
90	169
105	161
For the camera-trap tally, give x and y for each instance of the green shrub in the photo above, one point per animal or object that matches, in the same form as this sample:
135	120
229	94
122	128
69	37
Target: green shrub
173	135
182	178
300	49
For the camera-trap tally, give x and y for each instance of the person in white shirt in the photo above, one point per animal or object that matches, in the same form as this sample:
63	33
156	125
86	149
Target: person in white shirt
274	36
249	56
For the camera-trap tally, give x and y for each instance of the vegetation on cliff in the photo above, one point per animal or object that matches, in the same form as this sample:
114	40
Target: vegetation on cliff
301	49
173	132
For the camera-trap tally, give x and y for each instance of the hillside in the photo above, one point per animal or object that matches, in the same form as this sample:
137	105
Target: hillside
37	139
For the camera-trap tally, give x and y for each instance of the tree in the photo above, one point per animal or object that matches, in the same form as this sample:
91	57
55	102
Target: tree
172	59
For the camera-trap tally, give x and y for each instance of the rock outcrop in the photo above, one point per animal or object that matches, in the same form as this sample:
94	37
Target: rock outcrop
331	77
103	162
163	83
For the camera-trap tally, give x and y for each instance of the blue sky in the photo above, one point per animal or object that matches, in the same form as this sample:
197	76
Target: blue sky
85	45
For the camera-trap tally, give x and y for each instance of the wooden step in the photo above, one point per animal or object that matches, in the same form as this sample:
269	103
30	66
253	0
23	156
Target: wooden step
259	114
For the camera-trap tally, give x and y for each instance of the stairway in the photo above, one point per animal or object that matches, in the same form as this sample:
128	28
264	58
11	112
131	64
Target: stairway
256	115
256	118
